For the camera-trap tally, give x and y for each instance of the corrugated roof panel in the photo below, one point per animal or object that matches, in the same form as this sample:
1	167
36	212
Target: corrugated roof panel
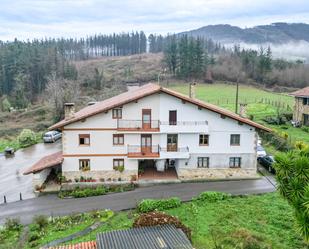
157	237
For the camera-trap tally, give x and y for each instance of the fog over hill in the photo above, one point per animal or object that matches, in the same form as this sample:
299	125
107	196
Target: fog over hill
287	40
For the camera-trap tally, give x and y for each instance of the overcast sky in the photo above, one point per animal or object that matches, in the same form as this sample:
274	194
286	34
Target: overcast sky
25	19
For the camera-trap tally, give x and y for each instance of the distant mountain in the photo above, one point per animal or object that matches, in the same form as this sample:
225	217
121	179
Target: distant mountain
277	33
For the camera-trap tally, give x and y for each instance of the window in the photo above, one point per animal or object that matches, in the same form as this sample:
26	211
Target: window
118	164
203	162
204	139
173	117
235	139
84	164
117	113
118	139
235	162
84	139
305	101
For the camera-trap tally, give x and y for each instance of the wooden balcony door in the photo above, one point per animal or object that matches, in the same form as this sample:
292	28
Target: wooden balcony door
146	118
172	142
173	117
146	143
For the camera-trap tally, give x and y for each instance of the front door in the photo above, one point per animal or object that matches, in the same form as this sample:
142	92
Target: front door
146	141
172	142
146	118
173	117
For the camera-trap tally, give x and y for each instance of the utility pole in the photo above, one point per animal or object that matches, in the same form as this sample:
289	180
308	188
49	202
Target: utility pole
237	92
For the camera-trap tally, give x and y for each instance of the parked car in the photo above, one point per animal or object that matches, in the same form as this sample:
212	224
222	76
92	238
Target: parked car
259	141
51	136
267	162
260	151
9	152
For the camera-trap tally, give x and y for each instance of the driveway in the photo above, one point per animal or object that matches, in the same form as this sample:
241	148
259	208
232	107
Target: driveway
12	181
51	205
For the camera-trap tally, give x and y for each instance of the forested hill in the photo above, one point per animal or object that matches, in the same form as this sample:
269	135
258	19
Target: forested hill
277	33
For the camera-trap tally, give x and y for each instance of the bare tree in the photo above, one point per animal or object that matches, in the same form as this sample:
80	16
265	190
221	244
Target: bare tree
60	91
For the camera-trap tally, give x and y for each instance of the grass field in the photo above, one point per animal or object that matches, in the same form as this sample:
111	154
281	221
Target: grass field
224	95
260	103
256	221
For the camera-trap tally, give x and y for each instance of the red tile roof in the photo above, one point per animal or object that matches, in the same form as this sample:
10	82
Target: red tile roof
301	93
144	91
82	245
46	162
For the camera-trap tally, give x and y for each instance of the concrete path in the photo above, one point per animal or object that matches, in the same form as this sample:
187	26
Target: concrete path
53	206
12	181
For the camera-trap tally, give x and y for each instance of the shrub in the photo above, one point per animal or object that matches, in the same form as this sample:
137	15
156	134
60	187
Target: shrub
278	142
149	205
26	138
12	224
41	221
33	236
305	129
6	105
159	218
212	196
301	145
100	190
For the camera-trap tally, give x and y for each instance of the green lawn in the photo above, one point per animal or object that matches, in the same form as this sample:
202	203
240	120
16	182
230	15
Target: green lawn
256	221
260	103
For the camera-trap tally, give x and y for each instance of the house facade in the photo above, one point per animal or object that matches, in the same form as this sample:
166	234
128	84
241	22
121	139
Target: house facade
155	128
301	106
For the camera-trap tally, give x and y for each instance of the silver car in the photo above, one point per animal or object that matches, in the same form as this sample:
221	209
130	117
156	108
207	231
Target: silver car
260	151
51	136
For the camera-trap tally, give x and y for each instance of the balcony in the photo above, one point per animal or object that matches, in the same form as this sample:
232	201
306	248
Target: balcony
138	151
179	152
138	125
184	126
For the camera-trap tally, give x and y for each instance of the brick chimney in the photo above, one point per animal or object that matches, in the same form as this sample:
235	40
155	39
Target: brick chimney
69	110
192	90
243	110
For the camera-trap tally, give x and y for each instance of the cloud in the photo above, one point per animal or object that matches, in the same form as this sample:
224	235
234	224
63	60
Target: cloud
27	19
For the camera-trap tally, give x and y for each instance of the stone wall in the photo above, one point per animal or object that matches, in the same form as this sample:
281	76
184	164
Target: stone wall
39	178
300	109
191	174
107	175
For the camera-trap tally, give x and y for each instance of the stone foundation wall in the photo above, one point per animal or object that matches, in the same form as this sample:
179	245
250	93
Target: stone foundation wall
39	178
191	174
107	175
300	109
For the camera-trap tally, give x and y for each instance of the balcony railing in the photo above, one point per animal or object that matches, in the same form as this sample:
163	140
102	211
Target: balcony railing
138	125
184	123
143	151
178	149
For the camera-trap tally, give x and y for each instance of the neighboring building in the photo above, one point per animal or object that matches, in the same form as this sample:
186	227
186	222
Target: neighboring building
152	237
154	132
301	106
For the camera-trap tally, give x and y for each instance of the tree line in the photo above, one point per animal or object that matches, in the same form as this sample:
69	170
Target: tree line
187	57
27	66
197	58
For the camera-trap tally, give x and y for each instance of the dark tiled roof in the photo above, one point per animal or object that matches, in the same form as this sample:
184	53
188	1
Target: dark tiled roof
46	162
144	91
157	237
301	93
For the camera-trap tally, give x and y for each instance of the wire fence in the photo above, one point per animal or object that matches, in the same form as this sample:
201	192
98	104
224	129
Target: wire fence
278	104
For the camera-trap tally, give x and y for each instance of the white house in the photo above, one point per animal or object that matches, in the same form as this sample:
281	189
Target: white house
153	129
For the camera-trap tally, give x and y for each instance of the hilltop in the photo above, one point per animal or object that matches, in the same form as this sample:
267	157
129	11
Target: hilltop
277	33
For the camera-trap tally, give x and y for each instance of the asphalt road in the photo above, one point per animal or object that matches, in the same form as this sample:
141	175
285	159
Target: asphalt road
51	205
12	181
